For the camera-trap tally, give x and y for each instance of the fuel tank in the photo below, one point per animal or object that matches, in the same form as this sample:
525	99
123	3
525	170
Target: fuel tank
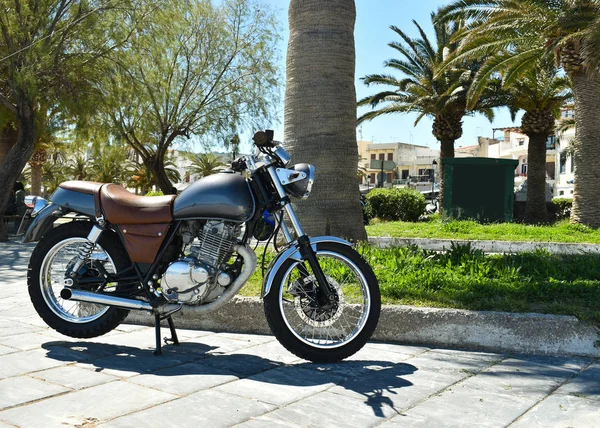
219	196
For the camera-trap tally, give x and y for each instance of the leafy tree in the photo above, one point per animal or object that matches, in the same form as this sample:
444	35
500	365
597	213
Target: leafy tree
199	68
428	89
567	30
320	113
204	164
48	52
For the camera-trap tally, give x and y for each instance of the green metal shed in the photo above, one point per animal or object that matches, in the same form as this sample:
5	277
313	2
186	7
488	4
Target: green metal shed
479	188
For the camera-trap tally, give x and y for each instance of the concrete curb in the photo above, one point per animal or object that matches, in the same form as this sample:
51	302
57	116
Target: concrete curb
450	328
487	246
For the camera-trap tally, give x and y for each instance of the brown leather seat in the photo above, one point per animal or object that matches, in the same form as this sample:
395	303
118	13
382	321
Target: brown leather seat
123	207
87	187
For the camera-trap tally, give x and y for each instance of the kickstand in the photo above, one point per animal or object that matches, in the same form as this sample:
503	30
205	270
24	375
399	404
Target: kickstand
173	339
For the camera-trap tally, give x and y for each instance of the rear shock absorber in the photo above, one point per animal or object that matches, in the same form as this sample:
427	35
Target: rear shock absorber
86	251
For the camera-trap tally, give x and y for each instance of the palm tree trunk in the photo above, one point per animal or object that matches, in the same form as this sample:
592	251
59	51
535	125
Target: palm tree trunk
446	151
535	208
320	113
36	179
586	196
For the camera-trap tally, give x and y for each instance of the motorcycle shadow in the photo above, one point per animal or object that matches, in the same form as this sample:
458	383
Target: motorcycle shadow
377	382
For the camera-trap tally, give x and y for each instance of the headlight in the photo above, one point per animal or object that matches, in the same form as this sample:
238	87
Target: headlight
301	188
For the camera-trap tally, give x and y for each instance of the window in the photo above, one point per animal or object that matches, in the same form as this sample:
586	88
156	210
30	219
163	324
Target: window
521	141
372	178
551	142
524	169
404	174
561	192
381	156
373	156
390	156
572	163
563	164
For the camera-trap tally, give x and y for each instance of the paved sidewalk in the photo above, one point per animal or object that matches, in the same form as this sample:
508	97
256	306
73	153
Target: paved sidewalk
225	379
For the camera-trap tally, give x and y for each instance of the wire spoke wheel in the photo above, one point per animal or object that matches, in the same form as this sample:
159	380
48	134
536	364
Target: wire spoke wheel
324	332
334	324
53	273
52	261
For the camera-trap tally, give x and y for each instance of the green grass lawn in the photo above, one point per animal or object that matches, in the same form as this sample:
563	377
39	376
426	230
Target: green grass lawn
464	278
469	230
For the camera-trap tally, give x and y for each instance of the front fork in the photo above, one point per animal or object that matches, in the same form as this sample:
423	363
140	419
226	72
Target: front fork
326	295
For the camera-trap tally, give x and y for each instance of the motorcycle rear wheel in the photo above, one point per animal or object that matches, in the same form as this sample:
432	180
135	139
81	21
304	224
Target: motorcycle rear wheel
55	252
322	334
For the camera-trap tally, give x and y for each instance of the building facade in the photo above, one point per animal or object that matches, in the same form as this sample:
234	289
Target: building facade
412	162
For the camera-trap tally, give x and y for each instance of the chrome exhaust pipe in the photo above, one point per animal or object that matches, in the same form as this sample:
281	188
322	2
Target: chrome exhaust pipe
103	299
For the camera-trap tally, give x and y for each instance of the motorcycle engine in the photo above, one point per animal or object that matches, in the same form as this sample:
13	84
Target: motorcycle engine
202	274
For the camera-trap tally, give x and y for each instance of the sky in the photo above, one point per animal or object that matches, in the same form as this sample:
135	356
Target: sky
372	35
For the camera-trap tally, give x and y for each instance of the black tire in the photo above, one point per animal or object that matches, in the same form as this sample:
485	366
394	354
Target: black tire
279	310
46	298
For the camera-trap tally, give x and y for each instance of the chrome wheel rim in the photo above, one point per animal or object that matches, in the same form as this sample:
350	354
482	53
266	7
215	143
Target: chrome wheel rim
329	328
52	277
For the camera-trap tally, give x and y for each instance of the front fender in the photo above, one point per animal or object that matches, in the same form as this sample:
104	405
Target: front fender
41	223
291	251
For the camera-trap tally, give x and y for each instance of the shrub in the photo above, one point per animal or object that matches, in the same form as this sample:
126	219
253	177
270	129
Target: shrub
155	193
396	204
563	207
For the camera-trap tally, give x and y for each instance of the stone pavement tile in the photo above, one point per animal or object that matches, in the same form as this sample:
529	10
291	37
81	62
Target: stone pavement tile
440	361
464	407
519	378
184	379
256	338
220	344
265	422
478	355
397	348
562	411
376	354
129	362
331	410
399	387
7	350
585	385
140	339
282	385
87	406
19	363
74	377
272	351
13	328
24	389
242	365
555	364
29	341
204	409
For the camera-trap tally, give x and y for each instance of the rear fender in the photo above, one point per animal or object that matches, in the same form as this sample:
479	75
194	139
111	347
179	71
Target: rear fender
292	252
42	222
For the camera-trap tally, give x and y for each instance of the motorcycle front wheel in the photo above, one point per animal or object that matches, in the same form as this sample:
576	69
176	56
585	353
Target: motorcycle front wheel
324	333
50	261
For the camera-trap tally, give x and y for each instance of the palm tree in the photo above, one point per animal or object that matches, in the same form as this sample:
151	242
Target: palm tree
110	165
204	164
428	89
320	113
567	30
540	93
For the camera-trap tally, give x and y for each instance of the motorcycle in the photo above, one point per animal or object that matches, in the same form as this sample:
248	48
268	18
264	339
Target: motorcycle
191	253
